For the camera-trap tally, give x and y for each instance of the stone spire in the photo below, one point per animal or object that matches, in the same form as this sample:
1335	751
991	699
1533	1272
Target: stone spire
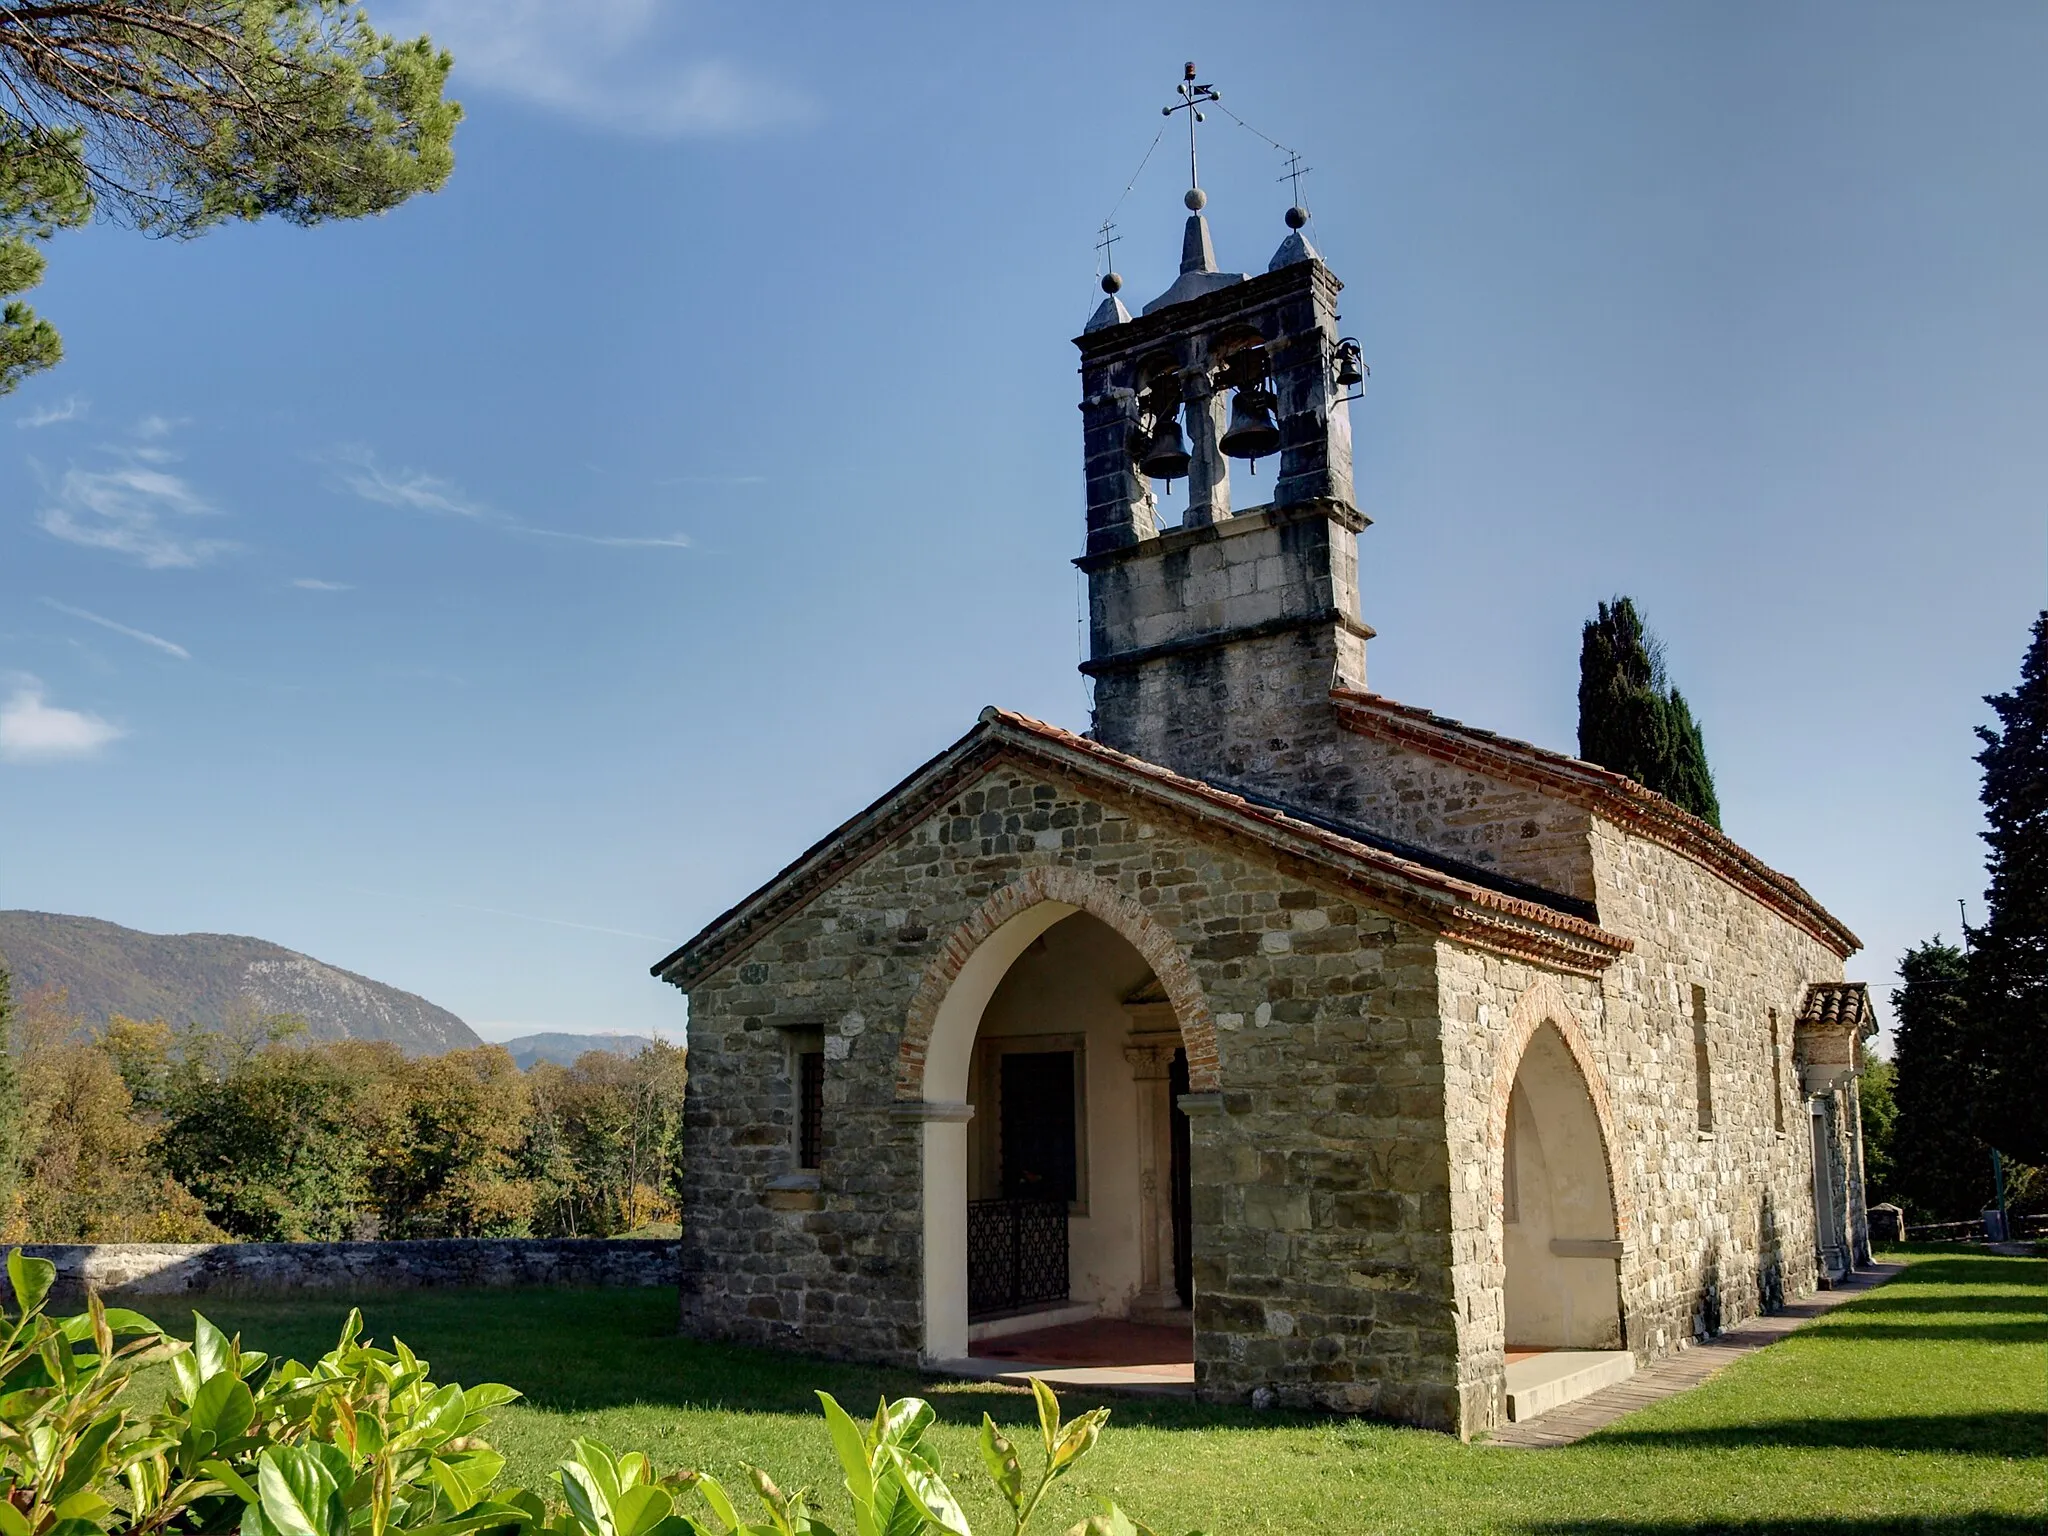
1198	274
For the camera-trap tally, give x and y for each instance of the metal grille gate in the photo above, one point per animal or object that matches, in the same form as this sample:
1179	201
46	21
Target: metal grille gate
1016	1255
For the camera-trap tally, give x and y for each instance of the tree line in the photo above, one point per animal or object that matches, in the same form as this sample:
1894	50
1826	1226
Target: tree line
1970	1021
142	1132
1969	1071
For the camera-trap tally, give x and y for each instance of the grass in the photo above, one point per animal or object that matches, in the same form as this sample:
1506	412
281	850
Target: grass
1921	1407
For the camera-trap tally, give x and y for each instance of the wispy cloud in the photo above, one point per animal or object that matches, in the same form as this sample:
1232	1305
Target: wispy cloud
626	65
612	540
315	584
133	510
169	647
360	472
35	731
357	470
70	408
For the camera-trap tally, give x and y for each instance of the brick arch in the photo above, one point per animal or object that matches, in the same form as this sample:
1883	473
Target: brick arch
1100	900
1546	1003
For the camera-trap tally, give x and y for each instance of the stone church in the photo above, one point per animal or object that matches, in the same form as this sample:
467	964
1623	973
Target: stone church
1411	1070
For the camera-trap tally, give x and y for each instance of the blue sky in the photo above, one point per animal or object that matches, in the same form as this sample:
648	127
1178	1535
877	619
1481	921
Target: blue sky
483	596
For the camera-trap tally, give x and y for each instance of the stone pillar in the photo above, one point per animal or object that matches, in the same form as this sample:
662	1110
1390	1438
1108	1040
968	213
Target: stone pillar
1208	470
1150	1053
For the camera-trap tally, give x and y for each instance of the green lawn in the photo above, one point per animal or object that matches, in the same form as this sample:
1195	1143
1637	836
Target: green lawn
1920	1407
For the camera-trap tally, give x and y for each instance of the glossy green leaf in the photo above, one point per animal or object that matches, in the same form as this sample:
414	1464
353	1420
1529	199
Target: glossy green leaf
852	1451
31	1279
229	1478
640	1508
1048	1414
296	1493
1000	1457
223	1407
12	1521
714	1494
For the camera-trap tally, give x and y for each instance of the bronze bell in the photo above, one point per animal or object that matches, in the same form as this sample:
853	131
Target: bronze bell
1252	434
1166	457
1350	367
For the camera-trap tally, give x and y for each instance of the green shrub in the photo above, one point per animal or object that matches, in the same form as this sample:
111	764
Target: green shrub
363	1442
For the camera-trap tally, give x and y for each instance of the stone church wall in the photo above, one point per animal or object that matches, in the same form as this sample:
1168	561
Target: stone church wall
1727	1214
1321	1175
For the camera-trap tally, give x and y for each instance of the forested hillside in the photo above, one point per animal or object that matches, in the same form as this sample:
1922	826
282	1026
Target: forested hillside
208	979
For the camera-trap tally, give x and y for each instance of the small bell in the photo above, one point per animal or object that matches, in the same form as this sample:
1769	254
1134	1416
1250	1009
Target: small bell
1350	371
1166	457
1251	434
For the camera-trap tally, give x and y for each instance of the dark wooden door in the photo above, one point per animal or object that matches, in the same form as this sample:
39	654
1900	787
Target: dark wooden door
1038	1148
1183	1188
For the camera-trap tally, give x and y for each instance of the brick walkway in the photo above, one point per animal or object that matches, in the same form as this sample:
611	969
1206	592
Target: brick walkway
1688	1368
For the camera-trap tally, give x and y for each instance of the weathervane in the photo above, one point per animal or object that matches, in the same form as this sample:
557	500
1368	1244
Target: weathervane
1191	97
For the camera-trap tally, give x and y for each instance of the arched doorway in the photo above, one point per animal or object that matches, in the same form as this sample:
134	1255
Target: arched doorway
1560	1235
1049	1072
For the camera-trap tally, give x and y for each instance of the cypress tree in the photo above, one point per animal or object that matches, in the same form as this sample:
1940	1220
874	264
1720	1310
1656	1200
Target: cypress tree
1940	1170
2009	954
1631	719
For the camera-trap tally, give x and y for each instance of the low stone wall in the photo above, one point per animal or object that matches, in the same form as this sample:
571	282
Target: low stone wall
262	1269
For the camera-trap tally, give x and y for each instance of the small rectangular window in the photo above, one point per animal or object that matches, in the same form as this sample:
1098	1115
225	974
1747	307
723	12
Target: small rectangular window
810	1108
1777	1078
1702	1063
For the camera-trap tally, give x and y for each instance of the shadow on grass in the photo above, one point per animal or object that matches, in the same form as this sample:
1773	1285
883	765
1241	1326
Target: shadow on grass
2011	1434
1982	1523
571	1351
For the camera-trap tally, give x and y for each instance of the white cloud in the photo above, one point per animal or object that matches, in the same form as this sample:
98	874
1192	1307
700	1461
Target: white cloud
70	408
315	584
168	646
131	510
358	470
32	731
618	64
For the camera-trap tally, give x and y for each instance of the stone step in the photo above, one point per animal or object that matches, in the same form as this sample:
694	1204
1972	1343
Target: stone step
1557	1376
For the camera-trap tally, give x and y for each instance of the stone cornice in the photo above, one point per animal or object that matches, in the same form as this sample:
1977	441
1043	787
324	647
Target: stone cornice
1616	797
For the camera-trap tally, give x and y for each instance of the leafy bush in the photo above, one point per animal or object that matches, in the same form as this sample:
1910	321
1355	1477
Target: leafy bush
363	1442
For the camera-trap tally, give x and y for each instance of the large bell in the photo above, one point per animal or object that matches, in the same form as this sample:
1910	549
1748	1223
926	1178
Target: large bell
1166	457
1252	434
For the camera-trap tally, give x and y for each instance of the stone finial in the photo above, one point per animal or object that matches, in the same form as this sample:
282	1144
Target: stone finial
1198	274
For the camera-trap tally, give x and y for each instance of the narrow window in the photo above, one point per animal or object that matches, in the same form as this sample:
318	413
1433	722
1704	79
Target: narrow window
1777	1079
810	1108
1702	1064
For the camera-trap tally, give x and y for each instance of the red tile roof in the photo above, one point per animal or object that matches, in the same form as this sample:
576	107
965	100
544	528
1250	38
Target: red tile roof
1614	796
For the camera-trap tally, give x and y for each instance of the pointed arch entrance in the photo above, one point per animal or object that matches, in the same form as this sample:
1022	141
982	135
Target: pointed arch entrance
1560	1230
1056	988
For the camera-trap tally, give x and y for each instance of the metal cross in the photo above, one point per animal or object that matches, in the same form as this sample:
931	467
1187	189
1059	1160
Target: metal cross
1191	97
1105	240
1295	171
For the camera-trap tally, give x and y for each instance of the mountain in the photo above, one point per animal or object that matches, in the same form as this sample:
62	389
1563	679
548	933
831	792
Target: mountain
202	977
528	1049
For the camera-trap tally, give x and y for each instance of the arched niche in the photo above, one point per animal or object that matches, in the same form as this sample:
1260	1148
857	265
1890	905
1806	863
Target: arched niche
1560	1236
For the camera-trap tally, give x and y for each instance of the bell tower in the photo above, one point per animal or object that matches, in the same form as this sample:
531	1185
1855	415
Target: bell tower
1213	645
